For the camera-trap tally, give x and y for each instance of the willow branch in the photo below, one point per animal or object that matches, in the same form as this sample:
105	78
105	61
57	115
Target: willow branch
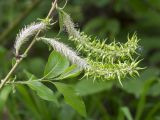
6	79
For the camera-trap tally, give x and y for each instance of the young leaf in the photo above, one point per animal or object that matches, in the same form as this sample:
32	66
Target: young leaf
56	65
42	91
28	101
60	20
127	113
71	98
29	75
13	61
4	95
70	72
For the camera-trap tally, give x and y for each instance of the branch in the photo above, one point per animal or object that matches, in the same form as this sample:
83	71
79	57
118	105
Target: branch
6	79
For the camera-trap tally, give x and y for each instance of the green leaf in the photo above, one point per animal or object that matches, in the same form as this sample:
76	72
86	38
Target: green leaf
60	13
4	95
70	72
13	61
88	87
28	101
72	98
154	90
127	113
66	113
142	101
3	52
42	91
135	86
56	65
29	75
36	66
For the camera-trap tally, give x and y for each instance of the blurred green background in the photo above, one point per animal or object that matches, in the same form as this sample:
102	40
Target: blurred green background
138	99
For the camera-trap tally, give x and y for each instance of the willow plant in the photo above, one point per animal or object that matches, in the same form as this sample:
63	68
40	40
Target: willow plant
94	57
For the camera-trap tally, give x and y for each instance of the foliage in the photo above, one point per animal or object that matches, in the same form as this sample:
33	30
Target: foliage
137	99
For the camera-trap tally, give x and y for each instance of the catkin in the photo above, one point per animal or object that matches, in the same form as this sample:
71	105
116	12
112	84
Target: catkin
67	52
26	33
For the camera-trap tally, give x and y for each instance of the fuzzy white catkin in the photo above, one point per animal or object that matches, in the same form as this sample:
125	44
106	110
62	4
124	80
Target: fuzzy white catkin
26	33
67	52
70	27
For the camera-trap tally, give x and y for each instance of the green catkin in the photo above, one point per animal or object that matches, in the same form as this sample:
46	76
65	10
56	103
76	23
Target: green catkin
106	61
106	52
